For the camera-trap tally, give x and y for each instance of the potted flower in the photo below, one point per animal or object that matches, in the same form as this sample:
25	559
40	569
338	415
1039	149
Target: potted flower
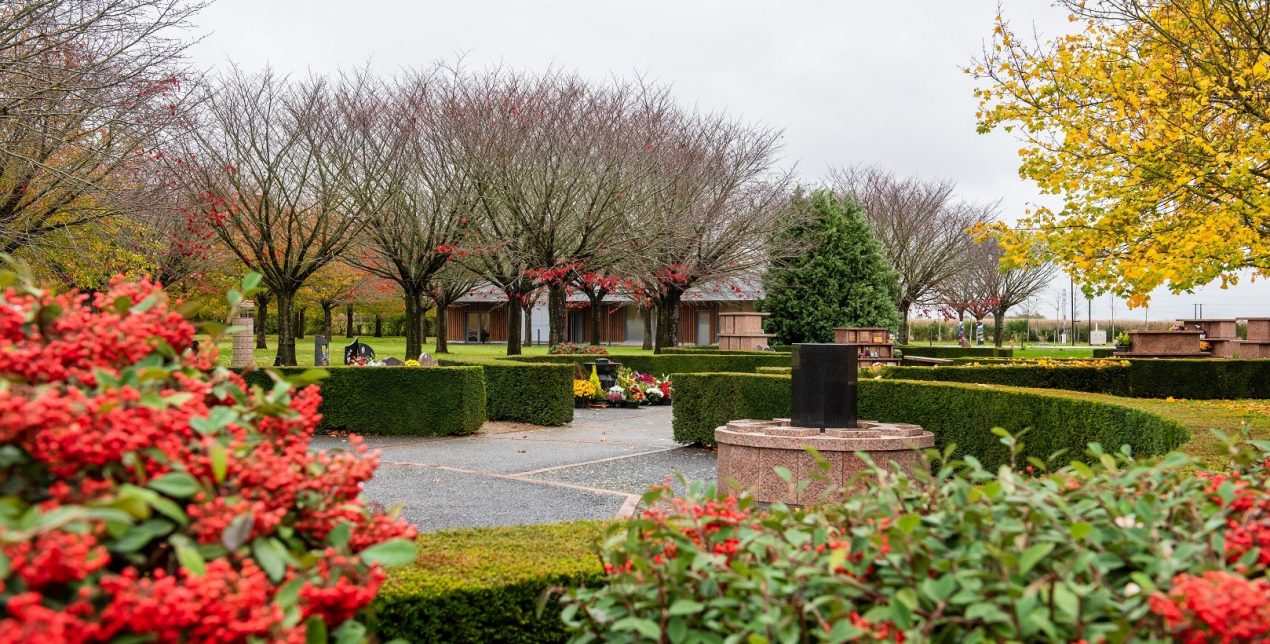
616	395
1122	341
666	387
583	392
1205	346
653	395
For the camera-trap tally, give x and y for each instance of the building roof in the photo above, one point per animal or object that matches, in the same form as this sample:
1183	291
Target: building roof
735	289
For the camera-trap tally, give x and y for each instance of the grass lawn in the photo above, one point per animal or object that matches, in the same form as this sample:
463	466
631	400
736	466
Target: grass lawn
394	346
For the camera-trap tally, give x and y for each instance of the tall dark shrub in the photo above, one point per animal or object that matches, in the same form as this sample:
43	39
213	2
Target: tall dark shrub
841	279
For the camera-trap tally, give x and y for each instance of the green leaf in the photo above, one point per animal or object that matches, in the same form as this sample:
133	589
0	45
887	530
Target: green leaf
271	556
350	632
190	559
339	535
169	509
180	485
315	633
784	473
4	566
909	522
219	457
391	553
646	627
122	304
251	281
1079	530
685	607
1033	556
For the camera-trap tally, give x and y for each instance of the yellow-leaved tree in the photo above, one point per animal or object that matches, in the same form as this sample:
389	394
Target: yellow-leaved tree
1151	122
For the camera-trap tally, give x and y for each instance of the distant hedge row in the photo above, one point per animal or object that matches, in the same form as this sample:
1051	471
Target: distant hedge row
485	584
1193	379
416	401
957	414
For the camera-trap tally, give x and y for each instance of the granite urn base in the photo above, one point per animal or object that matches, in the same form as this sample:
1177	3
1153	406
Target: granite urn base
750	450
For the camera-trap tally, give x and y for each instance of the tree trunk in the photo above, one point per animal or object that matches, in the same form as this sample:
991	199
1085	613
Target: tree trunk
379	326
348	320
905	307
262	318
414	322
299	322
597	299
286	336
646	312
668	319
998	331
527	340
327	318
557	313
514	309
443	345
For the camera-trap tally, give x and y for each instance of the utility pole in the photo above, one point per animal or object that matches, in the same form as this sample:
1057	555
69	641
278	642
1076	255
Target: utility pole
1072	281
1089	319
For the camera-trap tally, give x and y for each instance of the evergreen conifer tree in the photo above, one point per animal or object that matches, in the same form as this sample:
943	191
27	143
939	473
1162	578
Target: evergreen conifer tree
841	277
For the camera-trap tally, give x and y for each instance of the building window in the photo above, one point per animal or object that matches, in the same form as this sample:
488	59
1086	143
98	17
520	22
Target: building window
476	326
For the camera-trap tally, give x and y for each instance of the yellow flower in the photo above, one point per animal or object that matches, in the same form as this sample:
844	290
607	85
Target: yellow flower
410	363
583	389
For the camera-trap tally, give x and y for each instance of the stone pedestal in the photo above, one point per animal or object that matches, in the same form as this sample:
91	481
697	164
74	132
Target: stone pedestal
1258	329
742	331
244	347
1212	328
1164	344
750	450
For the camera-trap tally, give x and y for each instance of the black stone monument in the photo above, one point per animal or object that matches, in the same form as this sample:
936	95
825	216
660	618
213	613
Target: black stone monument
605	370
824	385
358	349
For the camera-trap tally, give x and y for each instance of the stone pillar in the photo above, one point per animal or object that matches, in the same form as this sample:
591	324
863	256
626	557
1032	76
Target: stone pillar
245	339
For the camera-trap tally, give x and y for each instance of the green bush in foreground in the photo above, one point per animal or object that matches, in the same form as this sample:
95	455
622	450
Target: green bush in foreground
485	584
1116	551
958	414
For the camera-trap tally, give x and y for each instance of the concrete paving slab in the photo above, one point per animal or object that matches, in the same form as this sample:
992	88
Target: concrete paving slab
437	499
636	474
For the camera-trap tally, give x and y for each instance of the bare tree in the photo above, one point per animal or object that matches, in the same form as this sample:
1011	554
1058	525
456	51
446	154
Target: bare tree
707	210
1007	285
283	169
921	225
86	86
556	161
430	195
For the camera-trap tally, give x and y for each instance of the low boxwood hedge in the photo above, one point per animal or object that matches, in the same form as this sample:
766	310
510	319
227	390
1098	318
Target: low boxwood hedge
484	584
536	393
956	413
414	401
1196	379
738	362
1109	379
954	352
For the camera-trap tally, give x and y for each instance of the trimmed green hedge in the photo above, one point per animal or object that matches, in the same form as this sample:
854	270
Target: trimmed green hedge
1200	379
960	414
484	584
672	363
414	401
1110	379
954	352
1195	379
540	394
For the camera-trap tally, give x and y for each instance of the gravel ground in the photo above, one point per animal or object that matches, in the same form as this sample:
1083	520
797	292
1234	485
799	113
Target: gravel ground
595	468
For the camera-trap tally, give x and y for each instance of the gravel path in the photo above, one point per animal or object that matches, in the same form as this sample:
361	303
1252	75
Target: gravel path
595	468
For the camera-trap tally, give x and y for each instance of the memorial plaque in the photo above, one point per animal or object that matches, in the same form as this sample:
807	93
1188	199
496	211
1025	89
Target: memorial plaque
321	351
392	362
824	385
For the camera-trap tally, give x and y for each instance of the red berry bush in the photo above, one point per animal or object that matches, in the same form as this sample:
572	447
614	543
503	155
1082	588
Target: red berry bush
144	492
1111	552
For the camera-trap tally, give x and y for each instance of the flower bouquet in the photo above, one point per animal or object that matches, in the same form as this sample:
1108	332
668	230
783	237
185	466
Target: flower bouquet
616	395
583	392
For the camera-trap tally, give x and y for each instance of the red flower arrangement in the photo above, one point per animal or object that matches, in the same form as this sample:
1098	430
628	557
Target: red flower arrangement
149	494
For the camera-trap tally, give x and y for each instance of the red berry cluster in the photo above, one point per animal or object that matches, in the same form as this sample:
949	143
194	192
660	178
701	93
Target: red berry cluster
149	494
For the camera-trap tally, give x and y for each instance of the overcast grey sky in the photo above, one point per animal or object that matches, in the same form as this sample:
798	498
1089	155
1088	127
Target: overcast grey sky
849	82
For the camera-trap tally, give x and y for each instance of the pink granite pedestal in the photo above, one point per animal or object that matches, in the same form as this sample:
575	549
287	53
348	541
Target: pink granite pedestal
750	450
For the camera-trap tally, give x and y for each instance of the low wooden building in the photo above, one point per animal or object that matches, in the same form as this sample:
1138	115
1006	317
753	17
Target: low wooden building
481	316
